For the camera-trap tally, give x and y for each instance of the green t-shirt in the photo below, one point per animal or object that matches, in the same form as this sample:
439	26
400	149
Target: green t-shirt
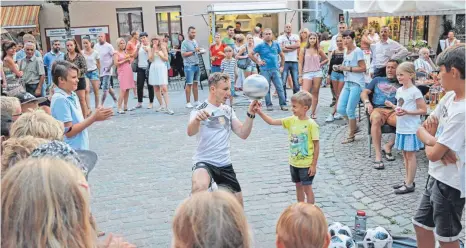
228	41
301	134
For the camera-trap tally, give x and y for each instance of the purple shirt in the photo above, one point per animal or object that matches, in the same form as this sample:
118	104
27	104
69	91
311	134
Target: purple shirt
106	58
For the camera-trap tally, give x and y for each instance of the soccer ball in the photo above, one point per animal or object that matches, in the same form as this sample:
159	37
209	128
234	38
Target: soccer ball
255	87
338	228
341	241
377	238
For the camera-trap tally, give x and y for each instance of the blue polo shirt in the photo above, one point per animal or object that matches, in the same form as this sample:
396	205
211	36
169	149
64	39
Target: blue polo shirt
269	54
49	58
66	108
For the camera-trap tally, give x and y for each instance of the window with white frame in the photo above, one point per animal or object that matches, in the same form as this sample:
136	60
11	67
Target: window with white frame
129	20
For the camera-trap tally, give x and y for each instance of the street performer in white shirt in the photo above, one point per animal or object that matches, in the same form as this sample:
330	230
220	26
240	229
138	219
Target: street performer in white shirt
213	121
383	51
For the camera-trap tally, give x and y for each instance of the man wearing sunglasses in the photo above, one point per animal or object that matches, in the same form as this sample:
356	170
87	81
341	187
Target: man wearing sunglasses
33	70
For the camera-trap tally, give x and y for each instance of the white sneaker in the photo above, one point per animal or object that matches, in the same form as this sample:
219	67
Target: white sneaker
338	116
197	103
189	105
161	109
330	118
169	111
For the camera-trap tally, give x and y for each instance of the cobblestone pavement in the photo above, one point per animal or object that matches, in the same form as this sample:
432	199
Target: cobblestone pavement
144	172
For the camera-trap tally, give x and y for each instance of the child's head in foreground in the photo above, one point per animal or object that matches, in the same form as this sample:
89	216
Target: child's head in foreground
301	103
302	225
211	219
452	66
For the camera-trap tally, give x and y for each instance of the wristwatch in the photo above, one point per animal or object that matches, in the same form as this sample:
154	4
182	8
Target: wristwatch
250	115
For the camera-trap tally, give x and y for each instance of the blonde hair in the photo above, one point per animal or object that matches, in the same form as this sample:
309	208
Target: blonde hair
45	203
240	39
9	104
17	149
211	219
407	67
117	43
304	30
302	97
38	124
302	225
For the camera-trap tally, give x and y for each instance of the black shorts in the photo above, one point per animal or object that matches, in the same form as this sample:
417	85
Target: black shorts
300	175
81	84
222	176
440	210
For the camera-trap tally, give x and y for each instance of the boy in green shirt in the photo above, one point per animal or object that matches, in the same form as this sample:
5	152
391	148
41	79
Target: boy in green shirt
303	134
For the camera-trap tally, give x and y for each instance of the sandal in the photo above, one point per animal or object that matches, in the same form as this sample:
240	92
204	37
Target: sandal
314	117
397	186
378	165
121	112
388	155
405	189
348	140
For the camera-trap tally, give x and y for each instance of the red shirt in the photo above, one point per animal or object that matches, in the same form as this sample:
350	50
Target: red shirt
214	52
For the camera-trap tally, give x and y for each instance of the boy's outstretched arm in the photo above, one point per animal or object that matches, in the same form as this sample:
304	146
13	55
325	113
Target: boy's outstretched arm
268	119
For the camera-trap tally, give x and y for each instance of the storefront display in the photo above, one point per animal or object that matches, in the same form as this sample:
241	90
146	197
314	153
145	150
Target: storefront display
77	33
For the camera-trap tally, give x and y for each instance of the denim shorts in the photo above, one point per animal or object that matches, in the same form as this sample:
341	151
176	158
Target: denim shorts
312	74
192	73
337	76
215	68
92	75
105	82
301	175
251	68
440	211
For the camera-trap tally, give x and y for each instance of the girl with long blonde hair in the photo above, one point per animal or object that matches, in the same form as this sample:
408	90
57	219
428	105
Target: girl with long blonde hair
158	73
247	48
211	219
311	60
302	225
45	203
122	61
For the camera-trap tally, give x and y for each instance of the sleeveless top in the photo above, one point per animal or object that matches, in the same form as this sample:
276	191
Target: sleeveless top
311	62
337	59
10	77
449	44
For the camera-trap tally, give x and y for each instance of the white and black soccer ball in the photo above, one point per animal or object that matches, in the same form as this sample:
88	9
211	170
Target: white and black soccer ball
377	238
341	241
338	228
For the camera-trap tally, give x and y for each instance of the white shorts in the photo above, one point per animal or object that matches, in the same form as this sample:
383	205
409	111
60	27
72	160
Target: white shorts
312	74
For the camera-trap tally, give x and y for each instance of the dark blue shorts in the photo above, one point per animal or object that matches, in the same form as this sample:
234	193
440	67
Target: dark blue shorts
301	175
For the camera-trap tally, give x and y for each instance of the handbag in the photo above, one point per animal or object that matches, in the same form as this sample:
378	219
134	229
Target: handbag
134	65
243	63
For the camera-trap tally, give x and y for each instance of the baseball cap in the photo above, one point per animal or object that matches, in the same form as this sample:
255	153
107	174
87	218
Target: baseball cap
26	97
85	160
143	34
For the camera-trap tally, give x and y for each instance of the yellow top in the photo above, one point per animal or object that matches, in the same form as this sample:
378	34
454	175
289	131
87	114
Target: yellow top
303	44
301	135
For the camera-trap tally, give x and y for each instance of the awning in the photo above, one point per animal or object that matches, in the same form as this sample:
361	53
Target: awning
259	7
20	16
342	5
377	8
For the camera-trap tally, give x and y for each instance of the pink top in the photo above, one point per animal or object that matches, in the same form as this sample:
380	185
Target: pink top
311	62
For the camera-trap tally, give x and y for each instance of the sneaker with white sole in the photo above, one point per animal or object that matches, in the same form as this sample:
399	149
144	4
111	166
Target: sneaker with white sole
338	116
197	103
189	105
161	109
169	111
330	118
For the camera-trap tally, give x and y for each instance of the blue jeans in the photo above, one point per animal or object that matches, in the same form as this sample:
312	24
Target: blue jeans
293	68
215	68
45	86
349	100
274	76
192	73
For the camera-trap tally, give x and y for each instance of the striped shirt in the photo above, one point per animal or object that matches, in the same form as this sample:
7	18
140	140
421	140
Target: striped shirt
228	66
421	63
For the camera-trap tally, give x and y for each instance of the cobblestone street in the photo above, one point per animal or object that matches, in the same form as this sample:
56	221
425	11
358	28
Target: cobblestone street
144	172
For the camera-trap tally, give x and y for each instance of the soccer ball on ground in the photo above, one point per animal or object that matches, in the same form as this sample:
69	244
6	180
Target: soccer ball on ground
338	228
377	238
341	241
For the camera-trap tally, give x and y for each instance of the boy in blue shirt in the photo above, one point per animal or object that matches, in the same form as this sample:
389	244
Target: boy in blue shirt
66	108
303	135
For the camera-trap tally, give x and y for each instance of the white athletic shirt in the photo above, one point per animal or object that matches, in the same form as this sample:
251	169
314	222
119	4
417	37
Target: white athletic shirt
213	139
91	60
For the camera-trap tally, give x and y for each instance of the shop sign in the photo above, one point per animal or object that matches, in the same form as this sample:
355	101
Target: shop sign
76	31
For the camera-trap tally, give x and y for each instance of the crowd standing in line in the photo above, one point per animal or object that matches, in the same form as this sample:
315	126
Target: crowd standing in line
48	148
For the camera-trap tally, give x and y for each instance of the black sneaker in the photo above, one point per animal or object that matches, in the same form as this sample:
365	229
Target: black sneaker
397	186
332	104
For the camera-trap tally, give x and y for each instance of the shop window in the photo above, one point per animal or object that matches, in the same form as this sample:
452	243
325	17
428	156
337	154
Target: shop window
419	28
169	22
129	20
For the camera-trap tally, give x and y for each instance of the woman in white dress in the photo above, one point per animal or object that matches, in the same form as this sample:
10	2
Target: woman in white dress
158	73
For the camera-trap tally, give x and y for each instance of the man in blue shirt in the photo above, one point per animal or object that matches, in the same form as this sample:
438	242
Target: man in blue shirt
49	58
66	108
269	68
